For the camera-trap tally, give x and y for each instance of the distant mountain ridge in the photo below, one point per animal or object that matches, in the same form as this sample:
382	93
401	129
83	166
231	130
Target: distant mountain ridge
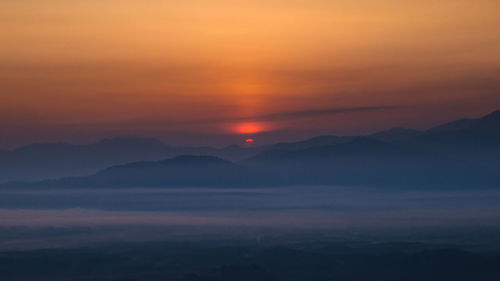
184	170
469	134
176	161
457	153
55	160
316	141
396	134
487	122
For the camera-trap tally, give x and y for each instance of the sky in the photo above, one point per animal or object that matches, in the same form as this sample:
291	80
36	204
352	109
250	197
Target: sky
217	72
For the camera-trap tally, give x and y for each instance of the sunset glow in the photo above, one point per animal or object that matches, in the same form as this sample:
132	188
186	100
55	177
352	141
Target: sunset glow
86	69
249	128
261	140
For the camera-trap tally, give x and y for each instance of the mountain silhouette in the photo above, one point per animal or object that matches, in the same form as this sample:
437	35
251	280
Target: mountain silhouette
181	170
316	141
184	170
460	153
55	160
473	135
358	146
396	134
490	122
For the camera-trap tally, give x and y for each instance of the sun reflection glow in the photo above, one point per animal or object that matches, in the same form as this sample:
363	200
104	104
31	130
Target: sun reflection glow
249	128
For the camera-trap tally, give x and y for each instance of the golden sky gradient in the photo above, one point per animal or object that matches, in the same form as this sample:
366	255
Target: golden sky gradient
83	69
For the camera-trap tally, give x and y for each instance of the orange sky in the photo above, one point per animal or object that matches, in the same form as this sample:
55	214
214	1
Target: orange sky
191	70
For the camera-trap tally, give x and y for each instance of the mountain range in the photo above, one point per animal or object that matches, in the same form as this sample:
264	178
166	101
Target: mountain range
55	160
460	153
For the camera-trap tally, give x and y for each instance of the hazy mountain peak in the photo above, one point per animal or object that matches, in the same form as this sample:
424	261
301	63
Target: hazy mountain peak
398	130
130	140
395	134
233	146
322	140
194	159
178	160
489	121
494	116
363	143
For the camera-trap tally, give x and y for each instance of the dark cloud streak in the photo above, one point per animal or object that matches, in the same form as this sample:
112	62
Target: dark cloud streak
318	112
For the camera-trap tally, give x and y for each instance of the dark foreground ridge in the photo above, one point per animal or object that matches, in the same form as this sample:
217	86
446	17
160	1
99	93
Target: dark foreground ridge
194	262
